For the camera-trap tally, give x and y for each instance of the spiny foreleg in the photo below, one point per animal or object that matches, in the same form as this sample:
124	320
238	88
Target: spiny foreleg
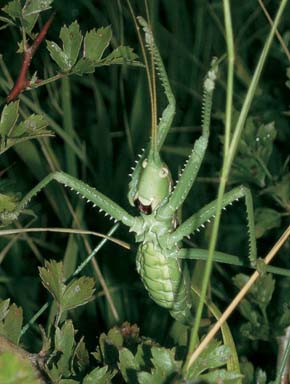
198	220
185	182
194	161
84	190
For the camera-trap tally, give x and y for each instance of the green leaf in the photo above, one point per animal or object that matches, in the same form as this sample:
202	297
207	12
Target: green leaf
254	152
280	192
16	370
99	375
7	206
213	356
72	40
107	351
64	337
31	128
84	65
57	54
34	124
10	327
115	337
247	370
46	341
9	117
261	292
266	219
164	364
96	42
144	378
13	9
8	202
163	359
128	365
52	278
249	312
67	56
7	22
143	356
258	297
4	305
78	292
64	343
221	376
82	355
33	7
120	55
251	331
11	134
261	376
30	12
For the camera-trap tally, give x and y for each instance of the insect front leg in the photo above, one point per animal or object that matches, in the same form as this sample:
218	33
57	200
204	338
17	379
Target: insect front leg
196	221
84	190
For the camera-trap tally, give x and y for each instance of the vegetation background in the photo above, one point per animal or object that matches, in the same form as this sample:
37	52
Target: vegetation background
106	115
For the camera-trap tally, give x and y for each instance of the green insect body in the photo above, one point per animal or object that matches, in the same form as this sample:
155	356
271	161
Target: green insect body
166	280
159	256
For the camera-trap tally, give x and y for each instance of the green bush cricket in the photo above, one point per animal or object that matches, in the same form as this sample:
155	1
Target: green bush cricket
159	255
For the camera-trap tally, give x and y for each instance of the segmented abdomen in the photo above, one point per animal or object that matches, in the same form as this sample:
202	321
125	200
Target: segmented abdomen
166	281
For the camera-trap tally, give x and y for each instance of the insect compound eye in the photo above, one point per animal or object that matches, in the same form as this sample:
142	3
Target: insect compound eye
144	164
163	172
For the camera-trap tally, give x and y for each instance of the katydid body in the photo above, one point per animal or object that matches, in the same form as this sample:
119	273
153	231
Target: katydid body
159	256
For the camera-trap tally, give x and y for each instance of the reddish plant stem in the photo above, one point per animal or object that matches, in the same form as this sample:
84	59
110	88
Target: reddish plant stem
22	82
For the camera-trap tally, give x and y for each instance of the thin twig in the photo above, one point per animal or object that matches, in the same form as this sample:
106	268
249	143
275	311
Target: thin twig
22	83
7	232
279	37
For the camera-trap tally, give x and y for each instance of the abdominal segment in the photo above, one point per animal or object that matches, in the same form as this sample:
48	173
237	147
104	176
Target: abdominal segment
166	281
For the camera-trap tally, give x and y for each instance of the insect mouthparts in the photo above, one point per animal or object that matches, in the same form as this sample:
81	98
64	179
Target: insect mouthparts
146	209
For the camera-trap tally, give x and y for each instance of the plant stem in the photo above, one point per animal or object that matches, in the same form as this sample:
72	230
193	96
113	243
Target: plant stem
230	75
222	185
22	82
223	180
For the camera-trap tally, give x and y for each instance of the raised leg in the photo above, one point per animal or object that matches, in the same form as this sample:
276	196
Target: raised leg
84	190
194	161
206	213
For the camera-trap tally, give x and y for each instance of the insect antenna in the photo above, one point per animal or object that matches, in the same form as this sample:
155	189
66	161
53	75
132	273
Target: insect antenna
150	74
153	85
